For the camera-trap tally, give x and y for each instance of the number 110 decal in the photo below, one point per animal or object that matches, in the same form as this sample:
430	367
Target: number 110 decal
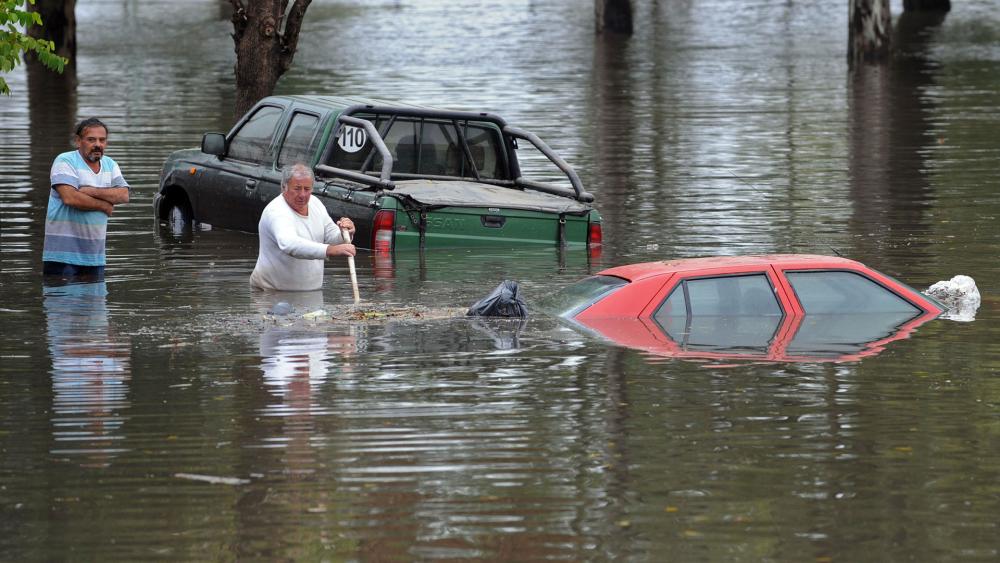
352	139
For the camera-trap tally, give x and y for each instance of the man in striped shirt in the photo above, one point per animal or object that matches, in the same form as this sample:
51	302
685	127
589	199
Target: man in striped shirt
86	185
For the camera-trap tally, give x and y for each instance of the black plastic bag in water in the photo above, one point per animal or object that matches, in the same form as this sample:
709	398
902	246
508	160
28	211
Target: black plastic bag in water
503	302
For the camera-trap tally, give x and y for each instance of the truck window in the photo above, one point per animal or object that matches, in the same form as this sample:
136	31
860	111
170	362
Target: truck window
487	151
297	144
440	153
433	147
427	146
401	139
253	139
352	146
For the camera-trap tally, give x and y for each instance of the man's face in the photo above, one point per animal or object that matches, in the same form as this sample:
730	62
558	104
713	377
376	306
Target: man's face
91	143
297	194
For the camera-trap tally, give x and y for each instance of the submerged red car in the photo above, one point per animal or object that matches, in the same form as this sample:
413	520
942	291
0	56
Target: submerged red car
781	307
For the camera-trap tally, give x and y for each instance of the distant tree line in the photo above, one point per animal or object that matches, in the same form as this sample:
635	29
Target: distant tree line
869	24
266	35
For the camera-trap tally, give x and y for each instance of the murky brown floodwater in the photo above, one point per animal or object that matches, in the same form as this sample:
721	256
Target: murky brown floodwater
157	415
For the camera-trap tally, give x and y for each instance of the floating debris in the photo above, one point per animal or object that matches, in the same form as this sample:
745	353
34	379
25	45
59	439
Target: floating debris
379	312
366	313
960	295
281	308
213	479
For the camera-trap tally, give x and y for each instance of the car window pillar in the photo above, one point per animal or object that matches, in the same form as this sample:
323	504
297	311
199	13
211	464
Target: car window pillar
466	150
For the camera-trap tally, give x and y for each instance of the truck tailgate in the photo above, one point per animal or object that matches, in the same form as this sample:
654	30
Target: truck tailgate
455	213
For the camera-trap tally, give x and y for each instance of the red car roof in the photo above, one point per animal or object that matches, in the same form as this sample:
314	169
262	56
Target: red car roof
634	272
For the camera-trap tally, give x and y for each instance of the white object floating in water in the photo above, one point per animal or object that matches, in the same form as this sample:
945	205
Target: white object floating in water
213	479
281	308
960	295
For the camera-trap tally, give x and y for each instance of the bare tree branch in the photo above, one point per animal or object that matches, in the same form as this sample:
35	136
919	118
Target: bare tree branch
239	18
290	38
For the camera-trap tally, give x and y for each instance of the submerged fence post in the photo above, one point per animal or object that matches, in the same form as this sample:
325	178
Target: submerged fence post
869	31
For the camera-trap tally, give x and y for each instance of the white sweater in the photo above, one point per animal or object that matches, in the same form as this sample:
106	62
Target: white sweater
293	246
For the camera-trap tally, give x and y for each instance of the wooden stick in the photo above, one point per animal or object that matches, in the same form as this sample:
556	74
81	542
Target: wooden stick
350	265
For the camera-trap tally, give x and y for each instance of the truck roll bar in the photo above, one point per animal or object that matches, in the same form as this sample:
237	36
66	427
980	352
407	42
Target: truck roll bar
578	193
384	180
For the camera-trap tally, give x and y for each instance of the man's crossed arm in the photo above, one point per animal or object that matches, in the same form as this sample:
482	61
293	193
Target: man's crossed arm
89	198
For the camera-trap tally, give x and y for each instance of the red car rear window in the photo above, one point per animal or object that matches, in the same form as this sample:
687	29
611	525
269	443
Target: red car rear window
576	297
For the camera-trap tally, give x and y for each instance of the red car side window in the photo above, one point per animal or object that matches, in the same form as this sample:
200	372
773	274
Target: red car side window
722	296
730	314
844	292
675	305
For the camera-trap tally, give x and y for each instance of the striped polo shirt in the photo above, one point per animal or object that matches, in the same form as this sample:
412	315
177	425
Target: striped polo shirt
73	236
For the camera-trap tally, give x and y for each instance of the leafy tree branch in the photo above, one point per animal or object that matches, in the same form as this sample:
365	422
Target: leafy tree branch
15	17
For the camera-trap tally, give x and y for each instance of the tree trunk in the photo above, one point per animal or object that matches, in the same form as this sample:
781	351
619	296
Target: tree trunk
264	48
926	5
52	113
58	26
870	31
614	16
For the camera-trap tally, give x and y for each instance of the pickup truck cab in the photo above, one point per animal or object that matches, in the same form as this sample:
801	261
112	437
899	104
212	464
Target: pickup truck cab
408	176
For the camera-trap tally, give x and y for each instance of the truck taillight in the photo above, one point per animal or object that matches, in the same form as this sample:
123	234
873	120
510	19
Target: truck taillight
594	234
382	230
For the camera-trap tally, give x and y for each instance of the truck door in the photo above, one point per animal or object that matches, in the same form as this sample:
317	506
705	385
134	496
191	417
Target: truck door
230	193
297	144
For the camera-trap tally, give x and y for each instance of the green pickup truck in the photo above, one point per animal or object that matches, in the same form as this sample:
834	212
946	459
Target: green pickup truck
410	177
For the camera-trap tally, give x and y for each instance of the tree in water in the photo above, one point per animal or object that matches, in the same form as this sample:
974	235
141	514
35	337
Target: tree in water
926	5
613	15
870	31
266	34
60	25
17	14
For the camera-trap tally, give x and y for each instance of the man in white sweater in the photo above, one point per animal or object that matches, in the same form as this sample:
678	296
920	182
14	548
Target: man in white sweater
296	235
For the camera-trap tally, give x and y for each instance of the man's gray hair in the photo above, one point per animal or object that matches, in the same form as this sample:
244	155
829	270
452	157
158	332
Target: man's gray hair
296	170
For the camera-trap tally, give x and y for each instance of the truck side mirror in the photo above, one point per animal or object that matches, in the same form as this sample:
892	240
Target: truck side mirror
214	144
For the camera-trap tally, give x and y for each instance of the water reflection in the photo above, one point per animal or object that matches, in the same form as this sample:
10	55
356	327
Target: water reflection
465	270
809	338
91	370
504	333
296	364
891	139
615	142
295	358
446	441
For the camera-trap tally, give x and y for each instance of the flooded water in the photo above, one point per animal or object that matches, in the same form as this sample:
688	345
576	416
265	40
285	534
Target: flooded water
159	415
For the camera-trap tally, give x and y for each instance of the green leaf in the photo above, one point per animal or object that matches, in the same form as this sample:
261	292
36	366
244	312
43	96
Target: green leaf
13	42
